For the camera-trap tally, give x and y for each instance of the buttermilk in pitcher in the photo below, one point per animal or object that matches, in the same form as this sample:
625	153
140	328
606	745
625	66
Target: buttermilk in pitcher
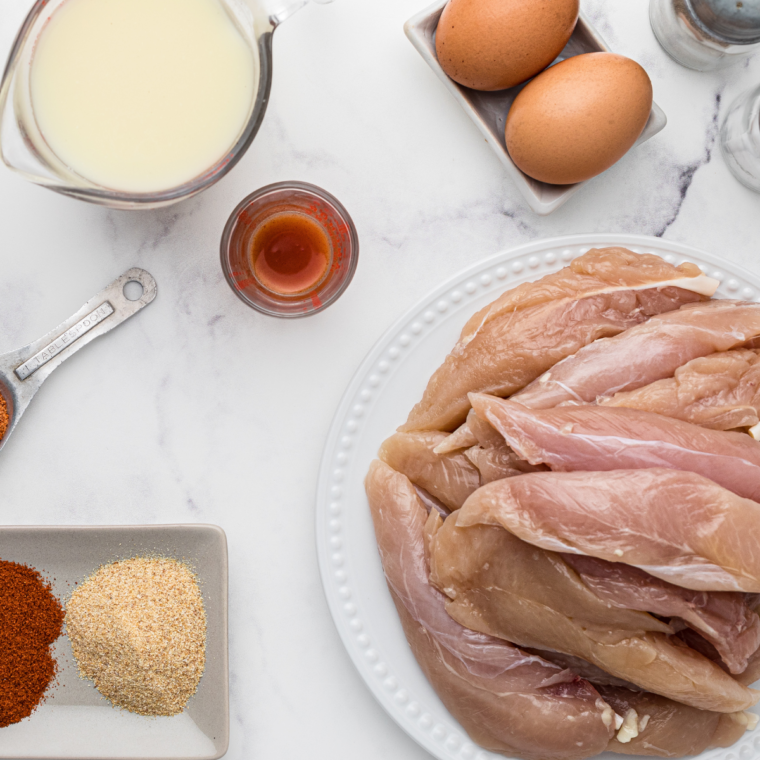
142	96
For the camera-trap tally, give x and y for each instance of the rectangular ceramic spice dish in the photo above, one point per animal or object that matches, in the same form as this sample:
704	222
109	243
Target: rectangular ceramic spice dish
489	109
75	721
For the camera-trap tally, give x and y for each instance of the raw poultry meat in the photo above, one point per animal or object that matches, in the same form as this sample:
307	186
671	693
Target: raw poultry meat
496	462
661	726
504	587
507	700
530	328
473	432
451	478
486	449
491	455
752	673
720	391
675	525
644	353
722	618
584	669
597	270
611	625
608	438
665	728
461	438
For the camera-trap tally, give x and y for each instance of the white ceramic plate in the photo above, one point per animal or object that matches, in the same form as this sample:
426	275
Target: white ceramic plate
389	381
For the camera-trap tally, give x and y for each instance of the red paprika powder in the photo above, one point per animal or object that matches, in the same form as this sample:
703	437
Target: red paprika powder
31	619
4	416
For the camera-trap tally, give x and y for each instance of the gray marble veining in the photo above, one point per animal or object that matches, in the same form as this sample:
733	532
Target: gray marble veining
215	413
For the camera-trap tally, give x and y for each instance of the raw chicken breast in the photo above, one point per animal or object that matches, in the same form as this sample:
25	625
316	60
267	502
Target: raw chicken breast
507	701
607	438
495	462
665	728
451	478
597	270
675	525
501	586
662	727
491	455
485	433
723	618
752	674
461	438
720	391
644	353
584	669
473	432
486	449
532	327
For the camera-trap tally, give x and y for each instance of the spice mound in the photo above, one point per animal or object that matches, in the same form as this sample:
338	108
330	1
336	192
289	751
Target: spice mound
138	631
4	417
31	619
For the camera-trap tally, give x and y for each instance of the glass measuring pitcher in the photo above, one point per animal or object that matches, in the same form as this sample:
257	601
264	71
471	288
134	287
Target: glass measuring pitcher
25	149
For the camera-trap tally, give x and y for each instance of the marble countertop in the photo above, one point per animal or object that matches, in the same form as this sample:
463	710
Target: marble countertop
202	410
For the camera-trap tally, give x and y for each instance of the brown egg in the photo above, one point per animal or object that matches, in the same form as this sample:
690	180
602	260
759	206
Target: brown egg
579	117
495	44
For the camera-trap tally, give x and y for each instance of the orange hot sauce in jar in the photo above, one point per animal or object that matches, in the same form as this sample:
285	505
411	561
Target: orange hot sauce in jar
289	250
290	253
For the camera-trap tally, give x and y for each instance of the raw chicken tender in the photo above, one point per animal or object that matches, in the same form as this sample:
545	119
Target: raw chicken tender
597	270
644	353
752	673
665	728
508	701
674	525
451	478
720	391
486	449
473	432
607	438
461	438
584	669
662	727
532	327
495	462
722	618
501	586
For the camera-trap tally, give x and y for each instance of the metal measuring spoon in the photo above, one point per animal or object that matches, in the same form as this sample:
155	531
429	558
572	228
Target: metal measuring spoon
23	371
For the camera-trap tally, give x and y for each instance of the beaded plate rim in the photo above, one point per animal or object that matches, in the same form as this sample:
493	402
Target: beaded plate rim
430	726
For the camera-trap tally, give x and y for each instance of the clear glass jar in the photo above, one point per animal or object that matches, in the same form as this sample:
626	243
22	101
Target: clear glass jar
740	139
24	149
286	199
706	34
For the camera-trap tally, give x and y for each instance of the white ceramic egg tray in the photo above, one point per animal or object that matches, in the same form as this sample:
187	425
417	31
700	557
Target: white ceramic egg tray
489	109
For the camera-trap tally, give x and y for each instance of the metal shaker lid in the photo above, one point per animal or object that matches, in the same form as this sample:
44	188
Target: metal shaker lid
734	21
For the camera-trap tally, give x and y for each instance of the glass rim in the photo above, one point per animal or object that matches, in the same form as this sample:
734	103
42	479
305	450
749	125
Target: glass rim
309	189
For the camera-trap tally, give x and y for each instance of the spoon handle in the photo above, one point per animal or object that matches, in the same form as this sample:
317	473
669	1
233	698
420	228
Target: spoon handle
32	364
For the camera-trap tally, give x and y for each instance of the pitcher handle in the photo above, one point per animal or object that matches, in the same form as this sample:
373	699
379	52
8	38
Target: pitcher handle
284	10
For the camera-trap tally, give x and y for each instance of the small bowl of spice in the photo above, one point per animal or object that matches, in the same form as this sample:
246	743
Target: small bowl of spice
289	250
132	662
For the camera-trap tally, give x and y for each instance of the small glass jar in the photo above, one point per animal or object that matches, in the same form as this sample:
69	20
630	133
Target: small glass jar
740	139
706	34
316	209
